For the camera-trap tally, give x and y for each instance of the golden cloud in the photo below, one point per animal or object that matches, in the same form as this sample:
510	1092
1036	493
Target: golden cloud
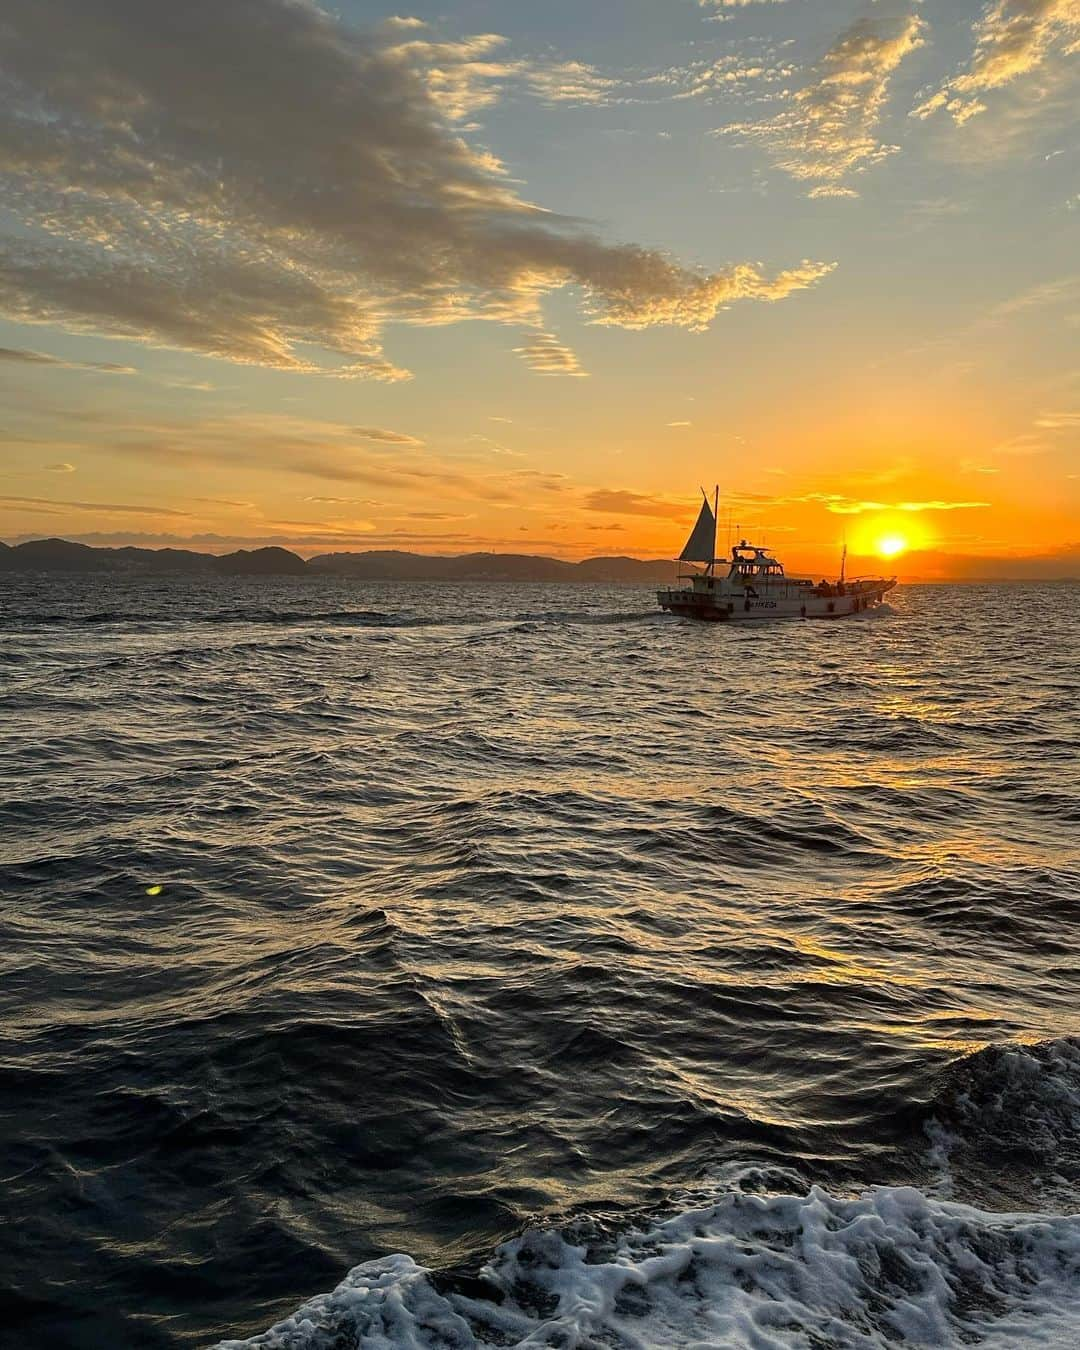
1013	39
829	130
311	185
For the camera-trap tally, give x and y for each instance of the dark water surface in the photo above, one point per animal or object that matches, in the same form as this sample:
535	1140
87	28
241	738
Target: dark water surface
345	920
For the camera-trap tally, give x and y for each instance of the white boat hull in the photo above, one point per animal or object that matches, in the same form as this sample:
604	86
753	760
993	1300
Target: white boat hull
721	603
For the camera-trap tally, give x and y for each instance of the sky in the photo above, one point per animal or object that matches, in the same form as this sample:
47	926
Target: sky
489	275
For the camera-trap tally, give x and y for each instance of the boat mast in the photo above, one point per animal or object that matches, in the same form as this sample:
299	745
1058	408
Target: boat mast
715	511
843	561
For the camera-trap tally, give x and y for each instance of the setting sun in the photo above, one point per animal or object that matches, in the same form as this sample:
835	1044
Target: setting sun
891	545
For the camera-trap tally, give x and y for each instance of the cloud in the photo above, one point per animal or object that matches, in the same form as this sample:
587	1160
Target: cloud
107	508
569	82
311	448
680	424
1044	439
1042	306
537	480
847	506
545	354
62	466
344	501
389	437
730	74
829	130
468	75
306	540
1014	38
309	187
1058	421
620	502
30	358
432	515
304	446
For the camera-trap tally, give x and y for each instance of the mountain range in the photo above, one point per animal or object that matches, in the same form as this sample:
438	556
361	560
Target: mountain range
62	555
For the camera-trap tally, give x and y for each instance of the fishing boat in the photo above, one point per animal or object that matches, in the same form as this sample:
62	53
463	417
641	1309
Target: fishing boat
754	585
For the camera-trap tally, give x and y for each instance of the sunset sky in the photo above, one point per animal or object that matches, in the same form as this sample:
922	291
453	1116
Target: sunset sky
497	275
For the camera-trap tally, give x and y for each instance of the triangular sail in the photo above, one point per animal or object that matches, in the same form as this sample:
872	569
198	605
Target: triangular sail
701	546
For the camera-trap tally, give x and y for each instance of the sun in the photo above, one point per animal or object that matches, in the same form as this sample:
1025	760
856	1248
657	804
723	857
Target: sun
891	545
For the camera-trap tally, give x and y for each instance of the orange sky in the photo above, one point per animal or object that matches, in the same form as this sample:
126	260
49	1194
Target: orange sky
525	291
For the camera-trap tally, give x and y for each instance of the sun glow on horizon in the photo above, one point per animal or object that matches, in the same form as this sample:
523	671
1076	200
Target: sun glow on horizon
891	545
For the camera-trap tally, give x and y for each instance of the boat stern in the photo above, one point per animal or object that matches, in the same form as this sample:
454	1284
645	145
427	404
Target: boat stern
692	604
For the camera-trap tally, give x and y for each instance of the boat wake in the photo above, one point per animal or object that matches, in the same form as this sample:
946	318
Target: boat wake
756	1258
749	1270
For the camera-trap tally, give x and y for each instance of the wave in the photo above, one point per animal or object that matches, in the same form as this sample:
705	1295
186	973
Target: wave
774	1269
758	1258
1007	1119
362	618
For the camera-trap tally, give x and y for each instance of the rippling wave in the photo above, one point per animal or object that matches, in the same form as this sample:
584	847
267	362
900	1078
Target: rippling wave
647	984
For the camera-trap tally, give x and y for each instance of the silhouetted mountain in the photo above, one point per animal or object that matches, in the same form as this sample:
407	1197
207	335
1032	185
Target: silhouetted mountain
56	555
161	559
380	565
644	570
260	562
61	555
390	565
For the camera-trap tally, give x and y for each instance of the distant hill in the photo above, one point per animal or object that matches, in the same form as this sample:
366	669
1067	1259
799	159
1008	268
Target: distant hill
61	555
390	565
260	562
55	555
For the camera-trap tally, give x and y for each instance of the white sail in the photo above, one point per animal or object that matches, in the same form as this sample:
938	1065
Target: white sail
701	546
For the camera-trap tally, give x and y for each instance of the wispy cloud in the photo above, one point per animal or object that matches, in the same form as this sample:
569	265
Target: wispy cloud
1058	421
847	506
240	216
344	501
621	502
105	508
829	130
22	356
387	437
732	74
544	353
308	539
468	75
309	447
1013	39
314	448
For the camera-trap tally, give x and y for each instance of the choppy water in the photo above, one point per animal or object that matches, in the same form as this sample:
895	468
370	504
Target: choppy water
577	974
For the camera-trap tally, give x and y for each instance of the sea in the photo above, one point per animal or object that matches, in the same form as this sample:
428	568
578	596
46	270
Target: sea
388	966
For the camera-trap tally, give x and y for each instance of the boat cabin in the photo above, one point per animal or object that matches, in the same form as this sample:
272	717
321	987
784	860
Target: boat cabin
752	566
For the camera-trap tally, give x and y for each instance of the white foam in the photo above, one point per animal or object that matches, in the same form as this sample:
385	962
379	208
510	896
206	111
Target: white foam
747	1270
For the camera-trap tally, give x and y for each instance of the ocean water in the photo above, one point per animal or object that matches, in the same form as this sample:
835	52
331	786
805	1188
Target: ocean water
392	966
